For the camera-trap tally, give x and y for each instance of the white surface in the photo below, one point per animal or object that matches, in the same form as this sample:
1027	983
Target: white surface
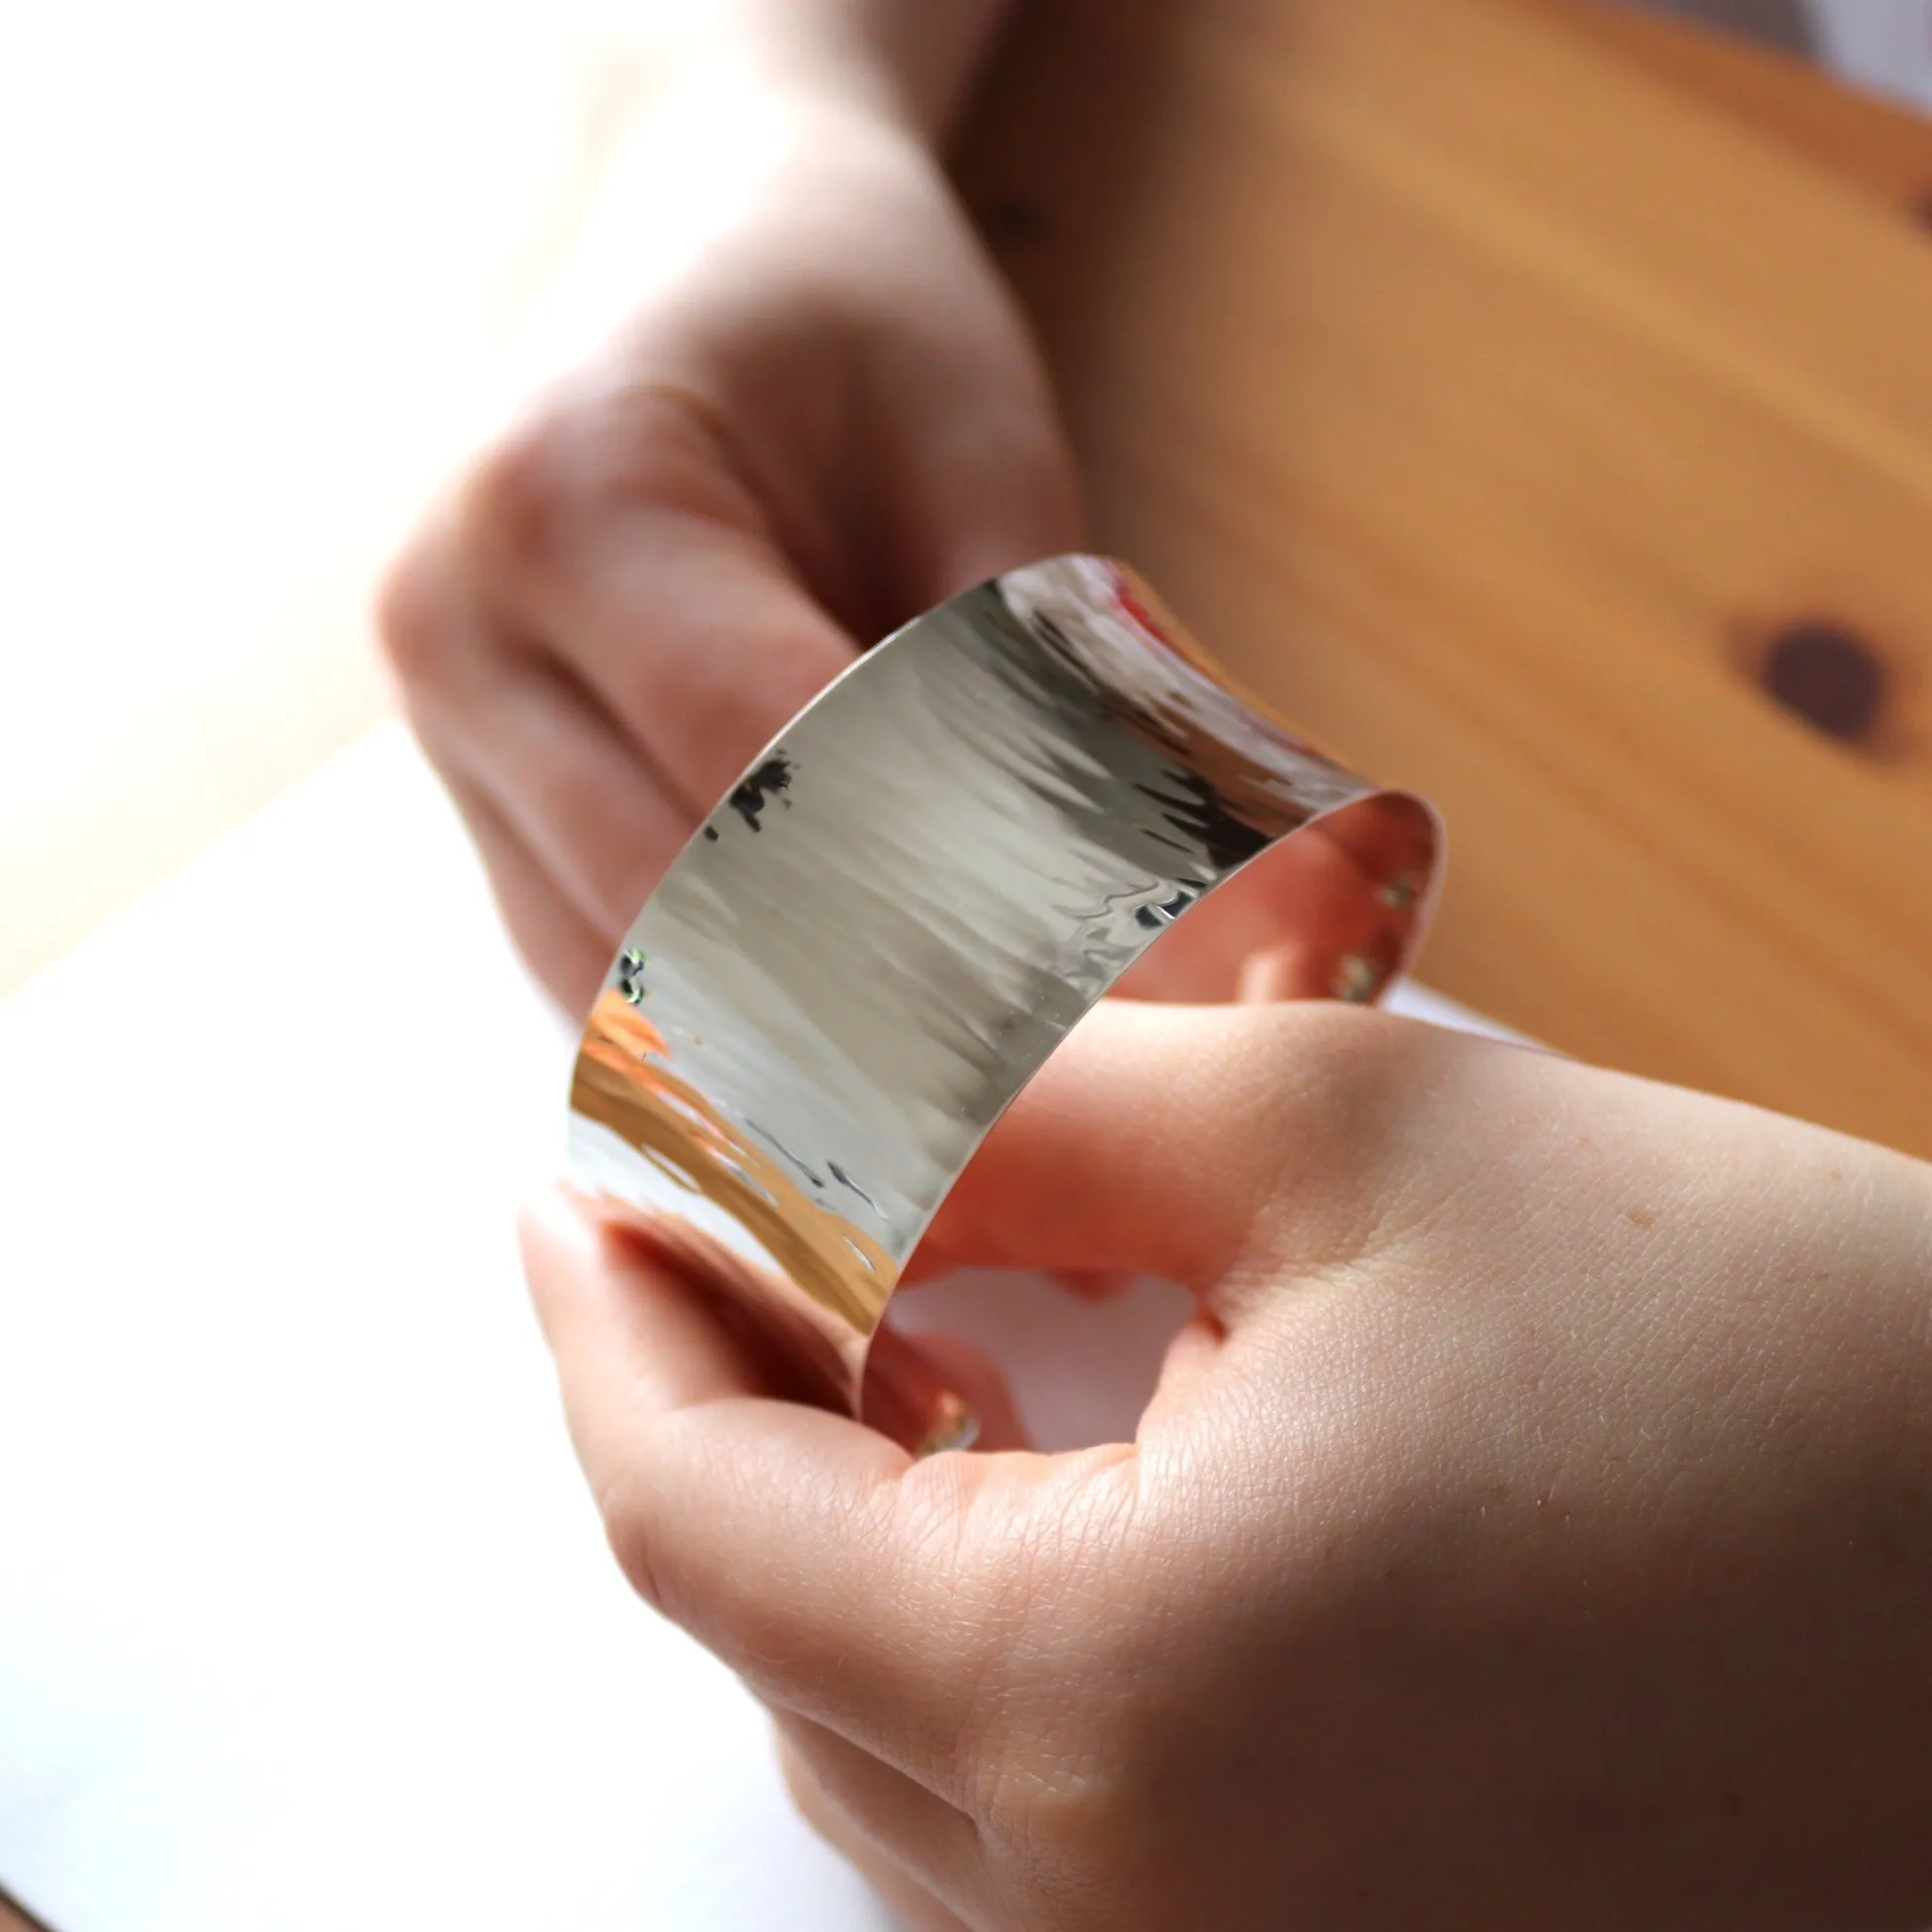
262	263
304	1617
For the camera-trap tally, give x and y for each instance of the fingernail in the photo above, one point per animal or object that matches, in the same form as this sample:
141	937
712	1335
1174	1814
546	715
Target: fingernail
955	1424
1358	979
909	1400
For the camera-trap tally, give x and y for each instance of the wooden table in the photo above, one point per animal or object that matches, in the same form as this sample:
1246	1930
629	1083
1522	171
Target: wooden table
1535	401
13	1920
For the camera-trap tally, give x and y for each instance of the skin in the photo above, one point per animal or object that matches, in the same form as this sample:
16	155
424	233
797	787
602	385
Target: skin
1532	1530
796	408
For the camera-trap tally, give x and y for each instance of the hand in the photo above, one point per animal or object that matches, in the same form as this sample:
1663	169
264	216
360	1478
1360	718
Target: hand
810	411
1533	1529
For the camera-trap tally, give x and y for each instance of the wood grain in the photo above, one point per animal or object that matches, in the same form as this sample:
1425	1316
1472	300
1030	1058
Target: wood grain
1492	398
1885	149
12	1920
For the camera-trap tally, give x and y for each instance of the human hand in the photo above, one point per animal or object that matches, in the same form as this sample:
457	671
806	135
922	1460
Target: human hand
803	410
806	411
1533	1528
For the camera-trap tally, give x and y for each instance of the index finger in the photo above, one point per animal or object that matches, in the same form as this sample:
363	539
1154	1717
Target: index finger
619	530
840	1577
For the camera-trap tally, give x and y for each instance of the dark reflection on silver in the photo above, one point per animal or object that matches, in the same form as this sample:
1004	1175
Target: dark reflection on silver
908	900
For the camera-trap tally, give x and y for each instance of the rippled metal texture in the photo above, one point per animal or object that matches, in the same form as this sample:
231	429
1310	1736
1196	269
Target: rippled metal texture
915	892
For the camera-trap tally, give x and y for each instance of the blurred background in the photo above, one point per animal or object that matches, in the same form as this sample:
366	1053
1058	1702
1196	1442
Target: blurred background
265	262
268	268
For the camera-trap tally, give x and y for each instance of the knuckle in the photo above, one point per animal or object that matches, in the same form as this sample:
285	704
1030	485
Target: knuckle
1356	1120
604	444
522	499
1056	1728
1075	1833
630	1526
583	454
807	1796
1359	1041
1060	1801
1092	1802
1357	1067
413	617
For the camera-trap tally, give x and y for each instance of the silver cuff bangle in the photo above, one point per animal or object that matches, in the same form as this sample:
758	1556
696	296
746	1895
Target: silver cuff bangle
908	900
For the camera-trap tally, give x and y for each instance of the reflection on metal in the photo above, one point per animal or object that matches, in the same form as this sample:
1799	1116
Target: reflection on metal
909	899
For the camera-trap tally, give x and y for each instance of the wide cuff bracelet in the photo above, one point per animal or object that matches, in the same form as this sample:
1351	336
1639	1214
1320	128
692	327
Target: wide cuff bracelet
915	892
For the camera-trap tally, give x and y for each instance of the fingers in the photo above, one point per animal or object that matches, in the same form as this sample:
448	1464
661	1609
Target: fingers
607	623
504	717
587	802
980	485
562	948
678	641
1172	1141
624	533
911	1903
808	1551
921	1835
936	1392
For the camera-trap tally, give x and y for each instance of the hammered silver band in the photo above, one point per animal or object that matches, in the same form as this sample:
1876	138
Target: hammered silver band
911	896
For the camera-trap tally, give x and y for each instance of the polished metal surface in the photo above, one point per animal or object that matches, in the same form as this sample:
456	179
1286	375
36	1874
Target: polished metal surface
915	893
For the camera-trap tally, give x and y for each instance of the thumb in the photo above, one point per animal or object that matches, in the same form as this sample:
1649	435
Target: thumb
1161	1139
